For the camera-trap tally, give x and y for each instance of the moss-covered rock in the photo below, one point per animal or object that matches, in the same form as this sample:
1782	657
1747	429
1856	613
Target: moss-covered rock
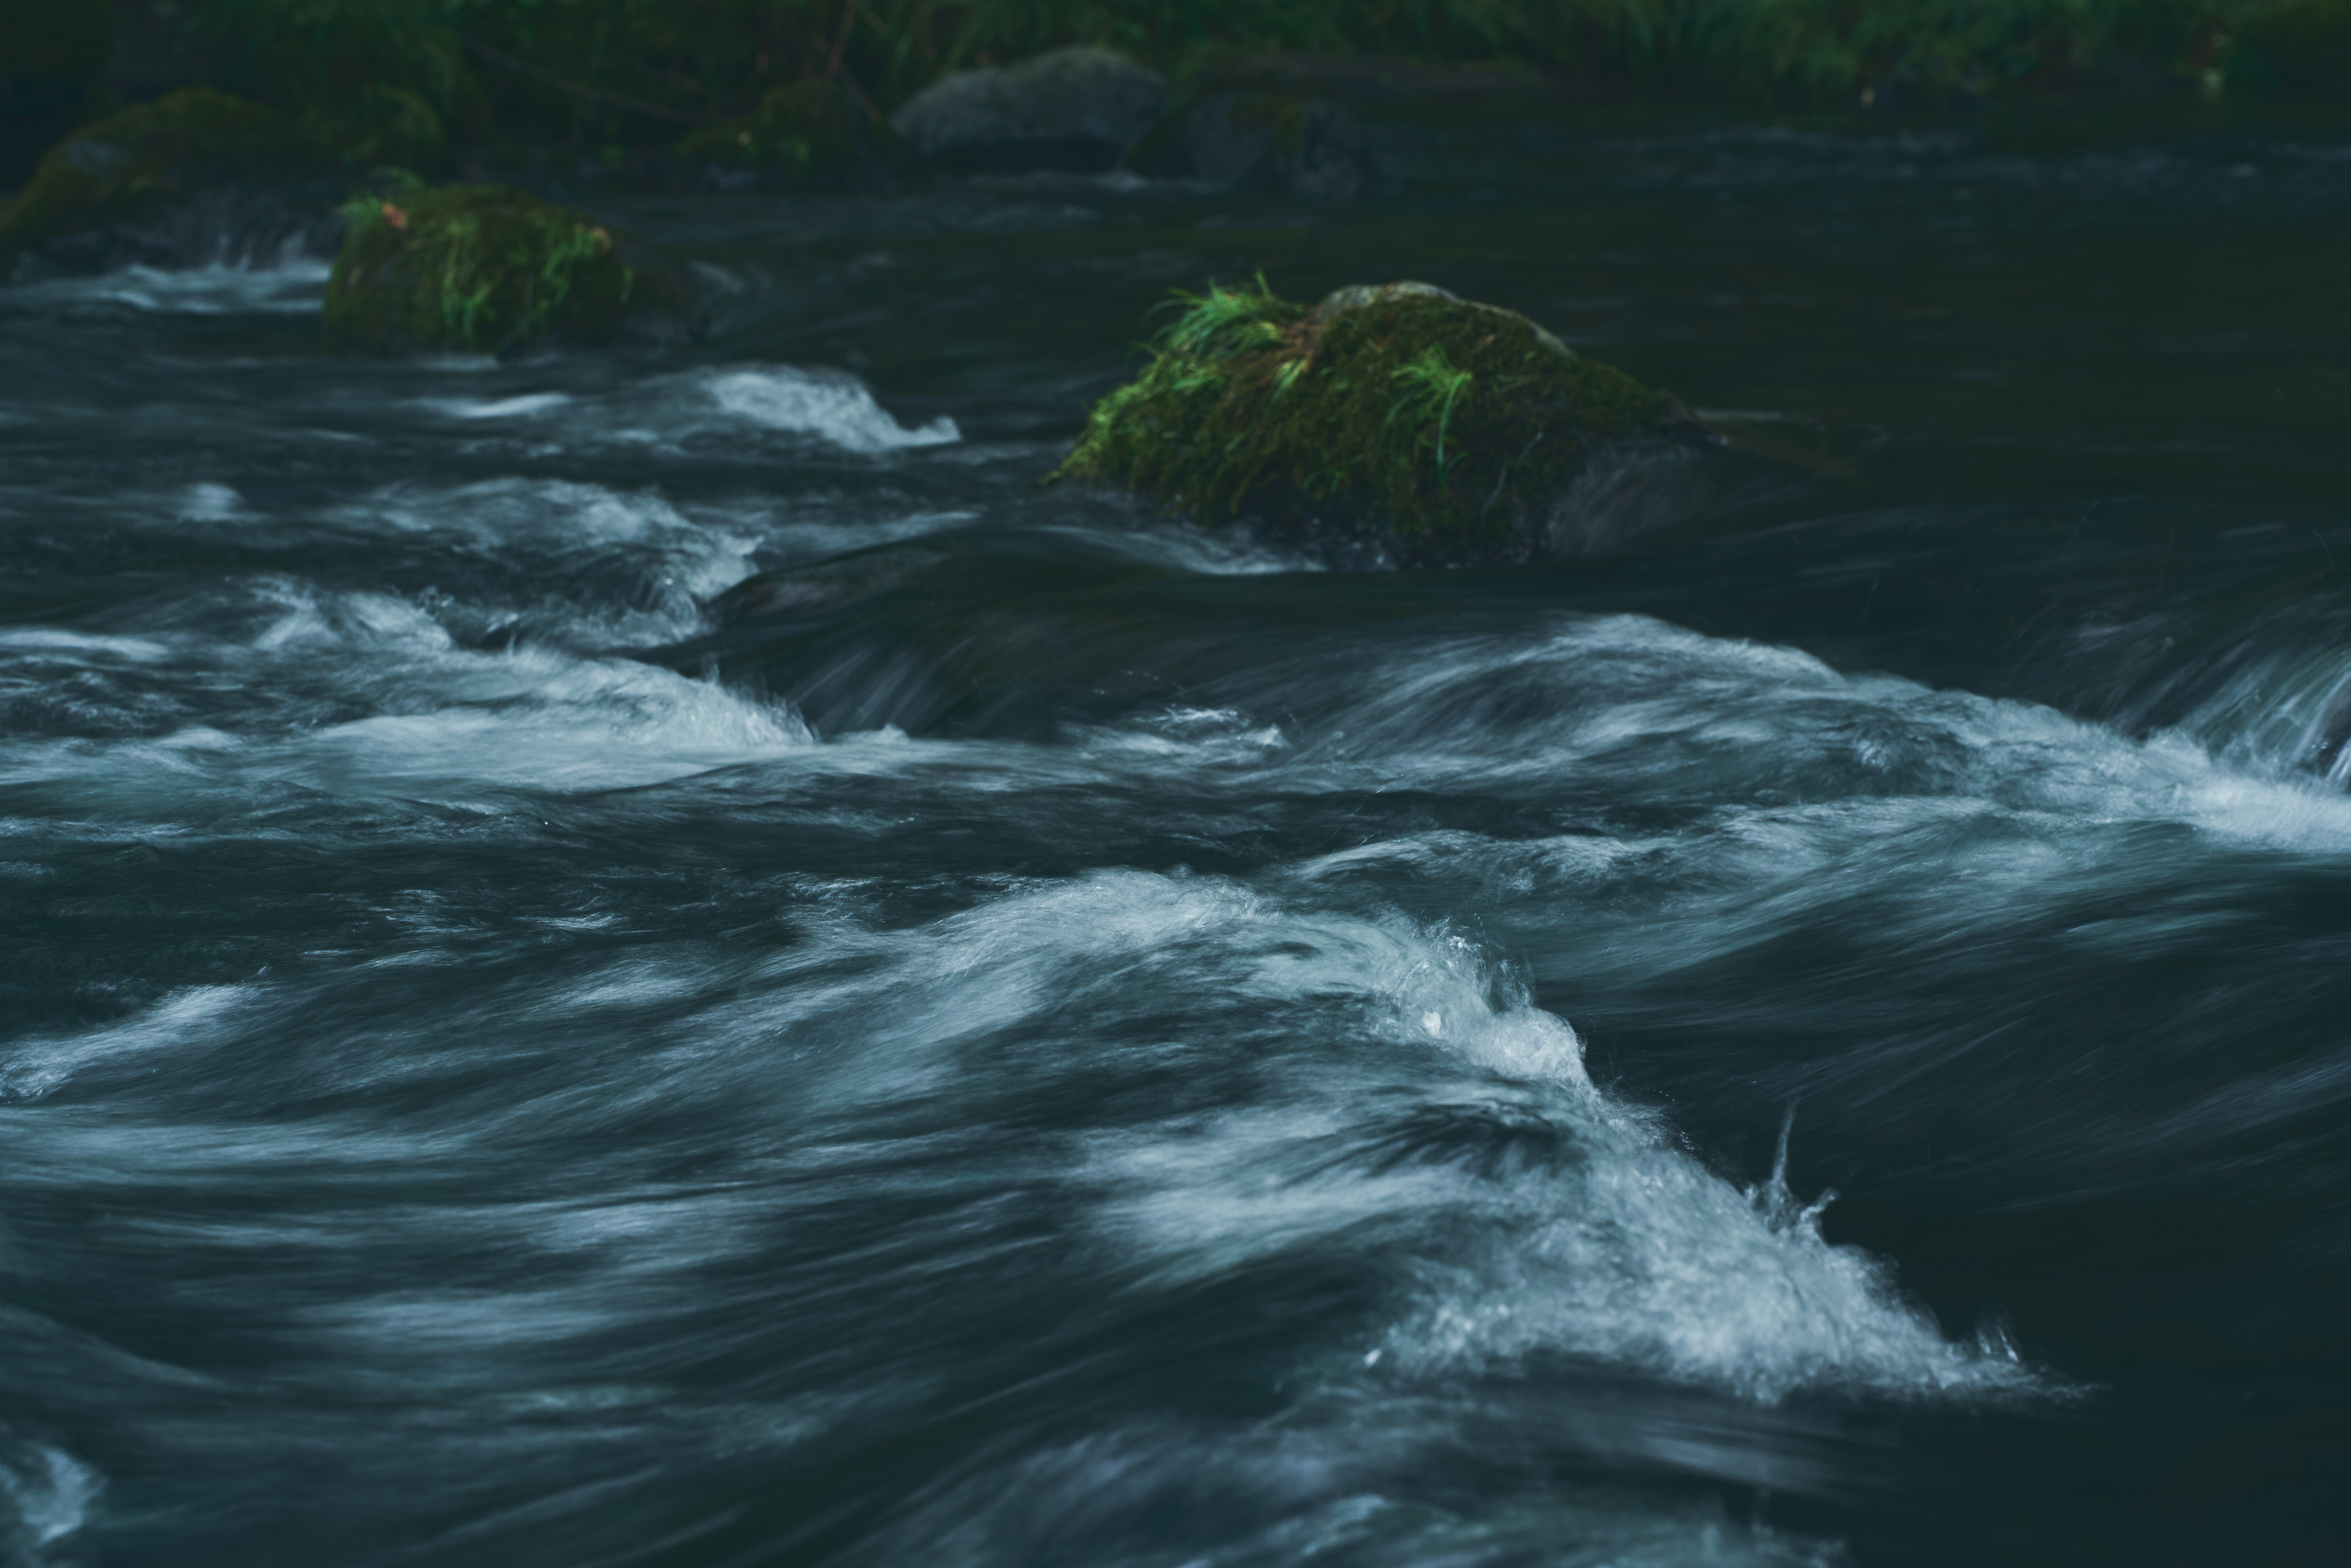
813	135
1430	429
133	168
489	269
50	53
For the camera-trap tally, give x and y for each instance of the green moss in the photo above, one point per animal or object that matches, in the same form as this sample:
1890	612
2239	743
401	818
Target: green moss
133	165
1443	424
483	268
815	133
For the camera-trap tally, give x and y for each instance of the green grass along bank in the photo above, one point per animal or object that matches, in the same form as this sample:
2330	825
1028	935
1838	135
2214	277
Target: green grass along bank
602	73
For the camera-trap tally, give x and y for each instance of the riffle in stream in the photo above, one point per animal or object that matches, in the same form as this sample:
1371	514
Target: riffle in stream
1044	1034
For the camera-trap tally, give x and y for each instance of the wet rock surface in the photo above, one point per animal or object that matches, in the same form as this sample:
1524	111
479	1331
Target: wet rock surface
1077	109
1270	142
194	177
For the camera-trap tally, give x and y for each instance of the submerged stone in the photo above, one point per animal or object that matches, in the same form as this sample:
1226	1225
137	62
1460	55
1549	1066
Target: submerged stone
117	191
1397	423
815	135
486	269
1078	109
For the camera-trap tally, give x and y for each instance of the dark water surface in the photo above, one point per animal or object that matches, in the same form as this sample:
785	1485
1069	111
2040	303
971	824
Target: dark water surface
1047	1036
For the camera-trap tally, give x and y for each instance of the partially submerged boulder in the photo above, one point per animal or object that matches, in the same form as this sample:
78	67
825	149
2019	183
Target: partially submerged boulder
1281	143
486	269
1399	422
115	192
50	53
813	135
1077	109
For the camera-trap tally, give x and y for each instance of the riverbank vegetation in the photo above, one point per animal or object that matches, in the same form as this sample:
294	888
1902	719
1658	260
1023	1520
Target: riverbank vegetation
634	71
794	92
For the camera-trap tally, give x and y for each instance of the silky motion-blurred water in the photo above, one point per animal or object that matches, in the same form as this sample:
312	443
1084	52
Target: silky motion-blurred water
659	959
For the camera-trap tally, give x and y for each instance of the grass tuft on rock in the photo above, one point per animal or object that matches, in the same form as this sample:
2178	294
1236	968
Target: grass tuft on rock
481	268
1445	429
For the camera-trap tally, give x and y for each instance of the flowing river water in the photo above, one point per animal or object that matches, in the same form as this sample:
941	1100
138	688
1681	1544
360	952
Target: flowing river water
1037	1034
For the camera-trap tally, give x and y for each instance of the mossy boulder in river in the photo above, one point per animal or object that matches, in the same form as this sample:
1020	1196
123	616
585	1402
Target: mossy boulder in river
815	135
111	192
487	269
1396	423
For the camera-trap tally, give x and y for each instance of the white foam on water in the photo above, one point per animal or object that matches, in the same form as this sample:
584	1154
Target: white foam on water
547	722
50	1491
1209	738
1184	547
501	408
291	285
534	717
801	533
43	640
35	1066
1641	705
553	524
1607	1243
210	503
835	406
2281	714
449	721
831	407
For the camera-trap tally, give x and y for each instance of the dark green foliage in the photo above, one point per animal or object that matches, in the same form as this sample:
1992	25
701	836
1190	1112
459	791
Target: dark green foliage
59	42
814	133
2299	48
1944	50
484	268
50	53
1797	50
1444	424
381	78
585	71
373	82
133	165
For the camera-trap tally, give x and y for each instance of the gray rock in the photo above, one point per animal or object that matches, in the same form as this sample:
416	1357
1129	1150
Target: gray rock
1272	141
1077	108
